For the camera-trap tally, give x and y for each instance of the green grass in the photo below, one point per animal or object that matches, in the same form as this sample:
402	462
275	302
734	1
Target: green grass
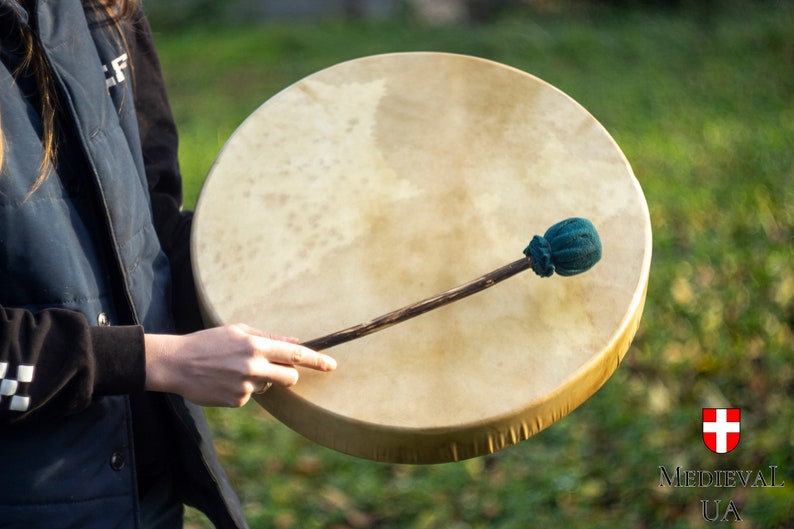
703	107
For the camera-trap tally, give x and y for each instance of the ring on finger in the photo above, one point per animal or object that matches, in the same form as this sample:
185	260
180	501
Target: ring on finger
266	387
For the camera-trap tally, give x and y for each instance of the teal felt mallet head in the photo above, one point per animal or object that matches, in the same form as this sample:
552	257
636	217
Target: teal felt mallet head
570	247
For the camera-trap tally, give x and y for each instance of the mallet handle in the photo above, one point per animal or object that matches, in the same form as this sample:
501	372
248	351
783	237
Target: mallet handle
426	305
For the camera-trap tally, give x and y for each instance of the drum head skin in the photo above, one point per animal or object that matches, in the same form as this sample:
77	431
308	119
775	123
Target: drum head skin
381	181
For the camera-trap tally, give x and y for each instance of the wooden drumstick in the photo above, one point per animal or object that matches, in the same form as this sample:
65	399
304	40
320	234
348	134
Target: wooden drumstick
570	247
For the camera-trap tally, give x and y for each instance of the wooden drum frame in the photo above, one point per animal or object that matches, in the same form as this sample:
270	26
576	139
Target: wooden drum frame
384	180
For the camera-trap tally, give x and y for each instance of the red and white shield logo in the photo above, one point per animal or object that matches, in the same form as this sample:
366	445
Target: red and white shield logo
721	428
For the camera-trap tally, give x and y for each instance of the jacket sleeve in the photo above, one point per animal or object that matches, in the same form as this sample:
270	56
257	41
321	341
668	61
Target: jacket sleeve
159	141
38	380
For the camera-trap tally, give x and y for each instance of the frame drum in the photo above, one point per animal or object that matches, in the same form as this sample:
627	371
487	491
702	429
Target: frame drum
384	180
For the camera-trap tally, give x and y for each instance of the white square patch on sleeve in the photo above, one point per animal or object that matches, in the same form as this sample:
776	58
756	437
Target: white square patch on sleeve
8	387
19	403
25	373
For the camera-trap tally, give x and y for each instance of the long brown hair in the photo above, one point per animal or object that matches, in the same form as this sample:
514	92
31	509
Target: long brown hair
33	62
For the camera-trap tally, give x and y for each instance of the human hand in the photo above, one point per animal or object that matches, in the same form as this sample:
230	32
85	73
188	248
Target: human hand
223	366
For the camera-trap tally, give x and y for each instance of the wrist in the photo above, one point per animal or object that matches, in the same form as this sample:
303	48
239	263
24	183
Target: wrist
158	349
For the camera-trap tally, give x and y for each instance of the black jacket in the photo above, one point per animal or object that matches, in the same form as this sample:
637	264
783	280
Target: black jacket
94	258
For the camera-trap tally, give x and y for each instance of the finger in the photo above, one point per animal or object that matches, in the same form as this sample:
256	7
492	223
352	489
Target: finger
293	354
276	374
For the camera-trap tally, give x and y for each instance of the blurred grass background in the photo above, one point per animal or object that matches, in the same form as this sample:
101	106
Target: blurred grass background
701	100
